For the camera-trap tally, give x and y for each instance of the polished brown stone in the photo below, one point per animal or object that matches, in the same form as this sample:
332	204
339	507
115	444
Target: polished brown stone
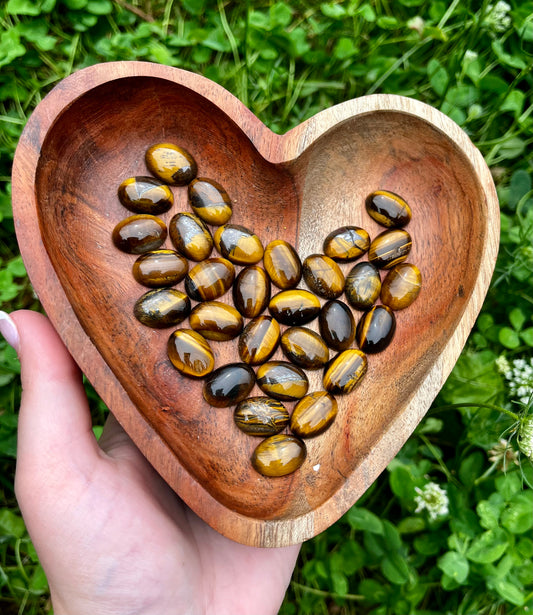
259	340
401	286
261	416
388	209
313	414
190	236
337	325
251	291
161	308
294	307
216	320
282	264
390	248
304	348
344	372
238	244
228	385
171	164
160	268
209	279
282	380
323	276
209	201
363	285
347	243
190	353
375	329
145	195
279	455
139	234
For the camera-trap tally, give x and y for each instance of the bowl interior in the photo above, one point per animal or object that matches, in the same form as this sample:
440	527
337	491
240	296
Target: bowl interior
100	139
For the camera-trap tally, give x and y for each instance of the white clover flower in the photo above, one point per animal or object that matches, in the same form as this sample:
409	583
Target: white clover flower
502	454
432	498
525	437
470	56
416	23
503	365
519	376
498	18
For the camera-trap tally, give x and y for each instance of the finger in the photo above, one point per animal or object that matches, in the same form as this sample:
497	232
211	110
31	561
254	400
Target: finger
116	443
54	424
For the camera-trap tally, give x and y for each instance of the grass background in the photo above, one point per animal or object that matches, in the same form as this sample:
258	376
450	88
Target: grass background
286	61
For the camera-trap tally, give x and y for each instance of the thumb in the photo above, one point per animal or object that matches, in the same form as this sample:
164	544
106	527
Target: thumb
55	438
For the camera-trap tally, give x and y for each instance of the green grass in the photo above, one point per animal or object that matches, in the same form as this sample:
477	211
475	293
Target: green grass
286	61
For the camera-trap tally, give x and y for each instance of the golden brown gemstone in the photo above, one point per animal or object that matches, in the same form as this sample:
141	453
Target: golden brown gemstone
171	163
145	195
238	244
375	329
282	380
228	385
139	234
279	455
209	279
304	348
388	209
323	276
294	307
313	414
346	243
337	325
216	320
363	286
345	371
210	201
282	264
164	307
401	286
259	340
251	291
190	353
390	248
261	416
190	236
160	268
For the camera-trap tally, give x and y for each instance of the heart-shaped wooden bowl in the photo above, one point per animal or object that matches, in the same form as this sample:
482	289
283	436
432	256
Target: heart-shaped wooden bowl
91	132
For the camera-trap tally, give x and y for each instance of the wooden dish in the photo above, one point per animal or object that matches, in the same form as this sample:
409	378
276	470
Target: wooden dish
91	132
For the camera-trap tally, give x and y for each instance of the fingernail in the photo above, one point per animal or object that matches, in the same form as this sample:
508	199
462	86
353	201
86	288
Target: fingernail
9	330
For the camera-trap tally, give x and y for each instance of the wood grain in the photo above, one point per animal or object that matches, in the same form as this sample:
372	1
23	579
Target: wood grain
91	132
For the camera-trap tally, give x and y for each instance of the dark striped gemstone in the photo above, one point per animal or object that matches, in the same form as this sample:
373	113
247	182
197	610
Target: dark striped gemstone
281	380
171	164
344	372
261	416
190	353
346	243
190	236
145	195
228	385
160	268
161	308
139	234
209	279
279	455
375	329
238	244
388	209
251	291
282	264
390	248
209	201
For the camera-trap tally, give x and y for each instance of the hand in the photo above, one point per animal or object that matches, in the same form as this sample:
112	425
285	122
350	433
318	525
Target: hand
112	537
